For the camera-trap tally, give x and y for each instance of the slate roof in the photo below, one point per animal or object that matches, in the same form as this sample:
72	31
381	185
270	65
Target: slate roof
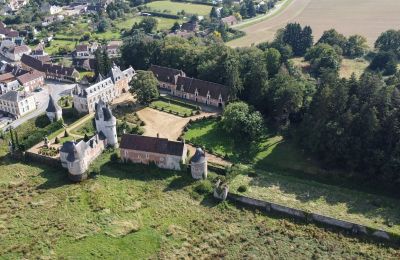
53	106
103	108
203	87
165	74
7	77
82	47
47	67
190	26
151	145
199	156
20	49
10	96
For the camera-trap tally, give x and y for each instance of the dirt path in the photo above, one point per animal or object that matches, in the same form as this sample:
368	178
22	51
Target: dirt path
171	126
365	17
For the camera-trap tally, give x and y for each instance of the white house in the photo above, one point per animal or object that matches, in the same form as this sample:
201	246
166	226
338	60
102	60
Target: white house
17	103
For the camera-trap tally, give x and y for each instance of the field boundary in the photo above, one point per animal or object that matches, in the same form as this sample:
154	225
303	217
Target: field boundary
310	217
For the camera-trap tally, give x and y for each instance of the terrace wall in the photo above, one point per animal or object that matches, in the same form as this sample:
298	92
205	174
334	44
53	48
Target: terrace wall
274	208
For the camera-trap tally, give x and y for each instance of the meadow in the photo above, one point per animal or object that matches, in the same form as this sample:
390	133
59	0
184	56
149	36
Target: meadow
139	212
175	7
347	17
277	171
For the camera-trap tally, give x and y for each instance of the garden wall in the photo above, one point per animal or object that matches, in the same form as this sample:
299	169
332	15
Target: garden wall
313	217
42	159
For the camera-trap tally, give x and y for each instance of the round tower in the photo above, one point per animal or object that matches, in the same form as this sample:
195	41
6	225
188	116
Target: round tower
106	123
198	165
53	111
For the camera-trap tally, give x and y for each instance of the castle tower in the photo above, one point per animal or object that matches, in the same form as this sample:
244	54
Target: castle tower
198	165
53	111
106	123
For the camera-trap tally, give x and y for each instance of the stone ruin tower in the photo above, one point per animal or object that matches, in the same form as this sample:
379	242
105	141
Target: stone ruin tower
198	165
106	123
53	111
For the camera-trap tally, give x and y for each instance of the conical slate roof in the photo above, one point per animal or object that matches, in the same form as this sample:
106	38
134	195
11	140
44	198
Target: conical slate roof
53	106
199	156
102	107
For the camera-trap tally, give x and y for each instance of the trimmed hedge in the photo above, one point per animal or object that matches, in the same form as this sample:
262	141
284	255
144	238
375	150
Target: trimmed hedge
163	15
180	103
194	2
38	135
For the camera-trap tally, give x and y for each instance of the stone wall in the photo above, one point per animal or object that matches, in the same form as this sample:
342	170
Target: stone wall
42	159
281	210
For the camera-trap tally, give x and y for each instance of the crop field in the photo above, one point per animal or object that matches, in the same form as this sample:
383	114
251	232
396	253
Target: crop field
365	17
137	212
175	7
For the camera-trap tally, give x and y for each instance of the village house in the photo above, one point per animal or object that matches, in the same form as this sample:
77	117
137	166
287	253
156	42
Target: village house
17	103
77	156
52	71
176	82
14	52
230	20
7	34
85	50
26	80
39	53
48	8
85	96
112	48
191	26
15	5
144	149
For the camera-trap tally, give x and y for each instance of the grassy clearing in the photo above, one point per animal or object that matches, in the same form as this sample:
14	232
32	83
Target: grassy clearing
137	212
175	7
172	108
346	204
348	66
271	151
55	46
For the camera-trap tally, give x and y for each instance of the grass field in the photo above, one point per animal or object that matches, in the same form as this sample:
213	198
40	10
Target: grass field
55	46
348	66
88	128
347	17
128	22
137	212
175	7
171	107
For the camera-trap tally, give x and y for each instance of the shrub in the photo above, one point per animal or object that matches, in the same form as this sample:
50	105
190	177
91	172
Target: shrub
198	112
242	188
57	140
114	157
66	134
204	187
142	123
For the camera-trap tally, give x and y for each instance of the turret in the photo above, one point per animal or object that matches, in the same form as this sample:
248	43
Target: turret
53	111
198	165
106	123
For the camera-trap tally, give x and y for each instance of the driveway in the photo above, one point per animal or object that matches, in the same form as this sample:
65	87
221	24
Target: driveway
56	89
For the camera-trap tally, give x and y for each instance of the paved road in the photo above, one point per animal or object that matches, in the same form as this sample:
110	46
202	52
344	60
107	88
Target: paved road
56	89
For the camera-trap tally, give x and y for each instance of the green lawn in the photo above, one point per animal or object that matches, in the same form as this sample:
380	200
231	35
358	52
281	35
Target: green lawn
171	107
175	7
55	46
137	212
129	21
88	128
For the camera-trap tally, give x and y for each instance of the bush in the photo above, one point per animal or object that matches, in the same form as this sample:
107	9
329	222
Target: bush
203	187
142	123
114	157
242	188
57	140
66	134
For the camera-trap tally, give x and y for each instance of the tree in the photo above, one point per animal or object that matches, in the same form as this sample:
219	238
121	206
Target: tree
242	123
175	27
323	57
306	39
102	26
333	38
356	46
144	87
273	61
389	41
385	62
299	39
251	9
213	13
148	24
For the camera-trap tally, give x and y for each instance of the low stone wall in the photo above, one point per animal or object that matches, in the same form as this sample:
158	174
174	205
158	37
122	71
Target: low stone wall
42	159
274	208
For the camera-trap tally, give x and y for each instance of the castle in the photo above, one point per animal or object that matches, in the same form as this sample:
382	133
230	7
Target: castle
107	89
77	156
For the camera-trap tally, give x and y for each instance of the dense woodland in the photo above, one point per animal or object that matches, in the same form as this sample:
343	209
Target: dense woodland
353	124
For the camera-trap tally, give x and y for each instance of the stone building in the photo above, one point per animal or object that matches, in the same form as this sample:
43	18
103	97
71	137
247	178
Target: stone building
198	165
145	149
166	77
17	103
53	111
176	82
107	89
27	80
77	156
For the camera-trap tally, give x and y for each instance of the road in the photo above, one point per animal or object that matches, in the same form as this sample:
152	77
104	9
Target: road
56	89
